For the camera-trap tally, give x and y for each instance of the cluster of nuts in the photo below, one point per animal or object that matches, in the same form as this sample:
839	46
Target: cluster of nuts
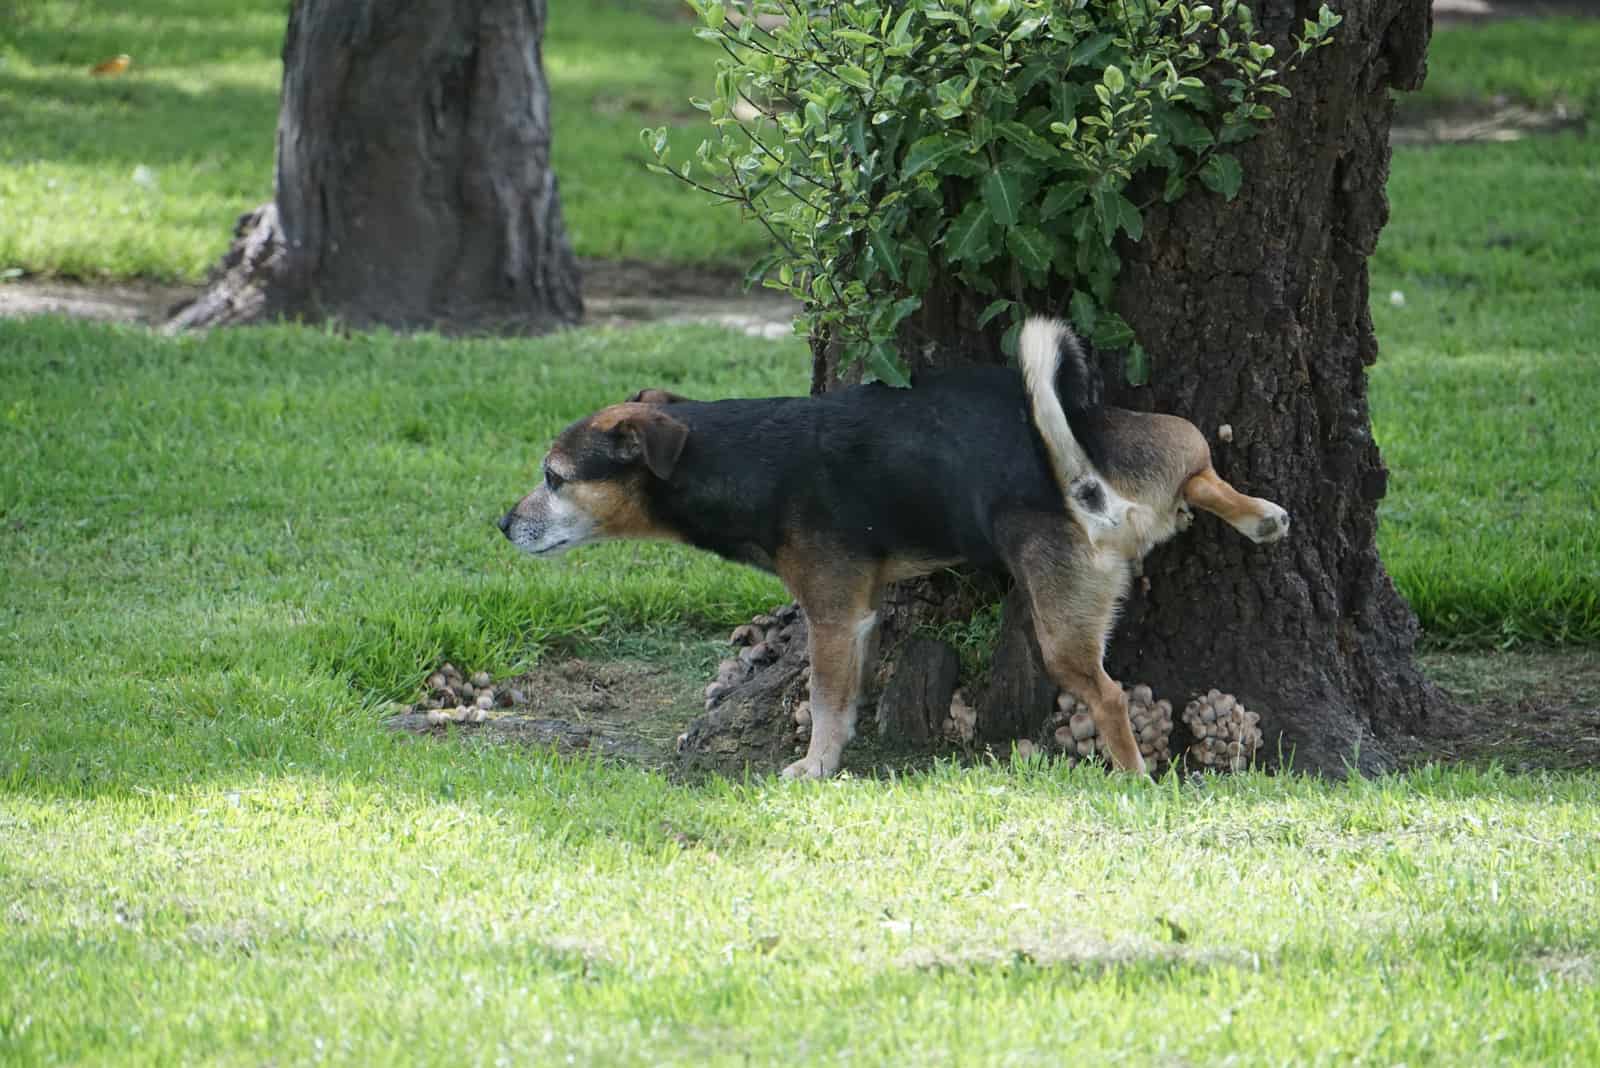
1226	734
454	697
759	642
1072	731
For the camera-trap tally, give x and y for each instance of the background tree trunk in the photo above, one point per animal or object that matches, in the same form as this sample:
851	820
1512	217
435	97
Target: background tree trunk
413	185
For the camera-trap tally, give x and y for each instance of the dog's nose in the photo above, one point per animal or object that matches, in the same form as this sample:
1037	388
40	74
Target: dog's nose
505	524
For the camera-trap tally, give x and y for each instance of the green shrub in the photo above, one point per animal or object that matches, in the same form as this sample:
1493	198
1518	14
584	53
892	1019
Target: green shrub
888	144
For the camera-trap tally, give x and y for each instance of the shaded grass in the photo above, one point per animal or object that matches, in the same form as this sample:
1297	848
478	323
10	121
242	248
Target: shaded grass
144	175
234	529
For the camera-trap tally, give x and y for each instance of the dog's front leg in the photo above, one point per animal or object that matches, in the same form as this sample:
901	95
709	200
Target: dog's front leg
839	594
841	655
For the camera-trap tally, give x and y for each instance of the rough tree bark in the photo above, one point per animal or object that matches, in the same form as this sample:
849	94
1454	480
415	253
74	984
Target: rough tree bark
413	185
1255	313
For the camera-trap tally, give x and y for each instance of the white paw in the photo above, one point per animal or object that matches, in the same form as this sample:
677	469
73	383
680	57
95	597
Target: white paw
1273	526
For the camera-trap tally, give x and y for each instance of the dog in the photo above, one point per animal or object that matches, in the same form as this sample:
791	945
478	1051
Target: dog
843	493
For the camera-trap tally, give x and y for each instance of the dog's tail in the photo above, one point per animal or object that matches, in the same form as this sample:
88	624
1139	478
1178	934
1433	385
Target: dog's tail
1056	369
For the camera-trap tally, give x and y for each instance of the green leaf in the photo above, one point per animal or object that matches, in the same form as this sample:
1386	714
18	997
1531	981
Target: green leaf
1128	216
1002	192
1084	311
991	311
1184	129
882	364
1088	48
883	252
1062	196
1222	174
1137	367
1111	332
928	152
1032	248
853	75
967	240
1113	79
1024	138
856	131
855	37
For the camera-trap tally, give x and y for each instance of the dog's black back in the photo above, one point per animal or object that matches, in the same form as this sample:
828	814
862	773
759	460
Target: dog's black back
893	473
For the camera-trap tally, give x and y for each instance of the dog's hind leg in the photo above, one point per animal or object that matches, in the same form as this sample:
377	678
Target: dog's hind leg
840	599
1256	518
1074	590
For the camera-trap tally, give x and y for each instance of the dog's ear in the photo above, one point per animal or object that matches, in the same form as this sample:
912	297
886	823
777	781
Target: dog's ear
656	396
655	437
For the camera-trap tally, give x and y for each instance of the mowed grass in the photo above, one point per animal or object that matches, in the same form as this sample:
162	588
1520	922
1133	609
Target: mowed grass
357	900
144	175
1485	391
222	553
1541	62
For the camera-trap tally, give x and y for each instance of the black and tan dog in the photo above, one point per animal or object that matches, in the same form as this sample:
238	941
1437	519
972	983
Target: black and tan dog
843	493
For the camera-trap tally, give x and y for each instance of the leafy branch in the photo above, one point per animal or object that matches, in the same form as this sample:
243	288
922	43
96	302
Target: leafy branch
992	141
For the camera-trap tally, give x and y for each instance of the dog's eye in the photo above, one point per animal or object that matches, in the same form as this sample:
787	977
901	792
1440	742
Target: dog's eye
553	480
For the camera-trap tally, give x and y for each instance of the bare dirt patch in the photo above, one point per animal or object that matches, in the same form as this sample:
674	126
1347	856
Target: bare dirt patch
1486	121
1524	709
615	293
628	709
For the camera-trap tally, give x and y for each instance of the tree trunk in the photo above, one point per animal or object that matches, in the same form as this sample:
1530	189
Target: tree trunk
413	185
1256	315
1256	312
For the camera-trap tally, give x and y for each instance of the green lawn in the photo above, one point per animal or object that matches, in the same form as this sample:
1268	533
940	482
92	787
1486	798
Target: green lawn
1485	393
219	555
1535	62
144	175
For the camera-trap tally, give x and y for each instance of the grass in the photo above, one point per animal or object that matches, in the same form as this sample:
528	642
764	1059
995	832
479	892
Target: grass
1483	397
144	175
1537	62
354	899
219	555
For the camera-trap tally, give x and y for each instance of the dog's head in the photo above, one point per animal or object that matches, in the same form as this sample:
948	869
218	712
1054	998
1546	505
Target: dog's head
595	479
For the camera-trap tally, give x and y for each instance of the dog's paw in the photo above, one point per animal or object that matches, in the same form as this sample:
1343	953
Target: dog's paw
1274	526
1185	517
807	767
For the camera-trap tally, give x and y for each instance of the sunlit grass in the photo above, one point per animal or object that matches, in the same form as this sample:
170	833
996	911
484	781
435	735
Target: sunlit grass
144	175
